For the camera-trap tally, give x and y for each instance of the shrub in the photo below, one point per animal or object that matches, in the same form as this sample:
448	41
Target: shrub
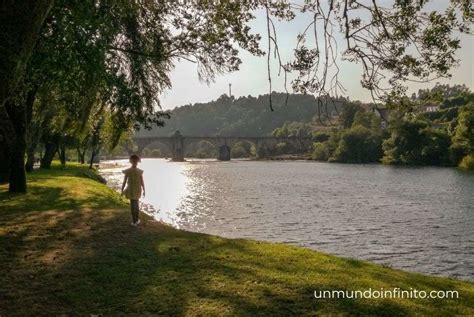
405	143
368	120
415	143
155	153
283	148
202	153
203	149
435	151
358	145
467	162
320	137
456	153
239	151
463	136
320	151
263	151
146	152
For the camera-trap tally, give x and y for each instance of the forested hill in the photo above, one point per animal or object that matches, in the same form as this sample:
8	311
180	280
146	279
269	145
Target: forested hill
243	116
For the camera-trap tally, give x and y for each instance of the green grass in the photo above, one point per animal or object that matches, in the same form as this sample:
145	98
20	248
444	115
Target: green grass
67	247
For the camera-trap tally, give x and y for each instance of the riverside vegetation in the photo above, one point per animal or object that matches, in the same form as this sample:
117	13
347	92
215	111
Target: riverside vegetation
432	127
67	248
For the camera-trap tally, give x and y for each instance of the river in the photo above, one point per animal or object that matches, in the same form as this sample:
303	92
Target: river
416	219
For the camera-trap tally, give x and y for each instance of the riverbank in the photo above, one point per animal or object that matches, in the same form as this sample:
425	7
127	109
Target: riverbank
68	248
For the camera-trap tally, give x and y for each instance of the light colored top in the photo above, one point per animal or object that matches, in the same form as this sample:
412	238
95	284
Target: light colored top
134	186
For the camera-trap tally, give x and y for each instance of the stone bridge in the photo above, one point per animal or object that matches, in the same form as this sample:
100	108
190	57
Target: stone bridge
177	143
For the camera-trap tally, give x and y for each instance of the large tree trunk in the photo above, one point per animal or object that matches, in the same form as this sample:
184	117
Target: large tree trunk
20	24
50	149
17	177
7	136
4	160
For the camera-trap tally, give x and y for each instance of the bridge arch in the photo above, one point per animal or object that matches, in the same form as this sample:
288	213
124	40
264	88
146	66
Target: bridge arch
163	146
177	143
201	148
245	144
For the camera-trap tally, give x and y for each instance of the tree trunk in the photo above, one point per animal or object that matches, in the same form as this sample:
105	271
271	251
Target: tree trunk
7	136
17	177
4	160
92	159
96	140
30	158
50	150
31	136
62	154
20	24
81	155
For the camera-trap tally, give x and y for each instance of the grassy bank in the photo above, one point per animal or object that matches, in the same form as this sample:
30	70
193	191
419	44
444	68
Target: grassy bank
67	248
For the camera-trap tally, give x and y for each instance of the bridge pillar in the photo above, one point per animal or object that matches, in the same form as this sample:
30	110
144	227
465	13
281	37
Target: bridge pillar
177	147
224	153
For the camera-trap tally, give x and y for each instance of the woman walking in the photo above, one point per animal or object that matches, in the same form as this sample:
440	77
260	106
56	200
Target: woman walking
134	180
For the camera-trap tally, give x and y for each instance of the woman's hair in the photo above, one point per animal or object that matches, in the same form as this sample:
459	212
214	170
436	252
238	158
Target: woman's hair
134	158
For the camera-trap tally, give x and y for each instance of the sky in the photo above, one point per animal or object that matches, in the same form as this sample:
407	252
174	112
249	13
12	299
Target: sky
251	79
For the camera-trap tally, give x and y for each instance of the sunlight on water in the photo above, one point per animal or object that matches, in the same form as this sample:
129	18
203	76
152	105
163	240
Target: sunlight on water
165	185
417	219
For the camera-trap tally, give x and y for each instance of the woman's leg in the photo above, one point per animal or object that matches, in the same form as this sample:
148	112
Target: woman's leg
134	209
137	209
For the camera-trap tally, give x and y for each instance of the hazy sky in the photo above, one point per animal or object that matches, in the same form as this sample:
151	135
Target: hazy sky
251	79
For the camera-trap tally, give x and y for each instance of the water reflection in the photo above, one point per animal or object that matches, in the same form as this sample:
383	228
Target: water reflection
165	183
418	219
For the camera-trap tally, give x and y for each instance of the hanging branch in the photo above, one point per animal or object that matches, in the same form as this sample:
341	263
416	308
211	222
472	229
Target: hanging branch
268	60
272	39
394	45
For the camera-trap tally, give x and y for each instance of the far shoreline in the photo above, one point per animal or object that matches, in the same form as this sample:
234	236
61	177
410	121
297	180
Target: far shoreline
105	162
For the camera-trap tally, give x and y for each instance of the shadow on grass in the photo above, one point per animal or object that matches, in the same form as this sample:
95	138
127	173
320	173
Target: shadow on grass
65	251
93	263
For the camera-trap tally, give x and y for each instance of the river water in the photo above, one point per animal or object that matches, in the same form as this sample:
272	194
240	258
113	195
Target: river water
416	219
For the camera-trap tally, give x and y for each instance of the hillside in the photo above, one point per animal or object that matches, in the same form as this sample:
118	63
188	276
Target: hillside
244	116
